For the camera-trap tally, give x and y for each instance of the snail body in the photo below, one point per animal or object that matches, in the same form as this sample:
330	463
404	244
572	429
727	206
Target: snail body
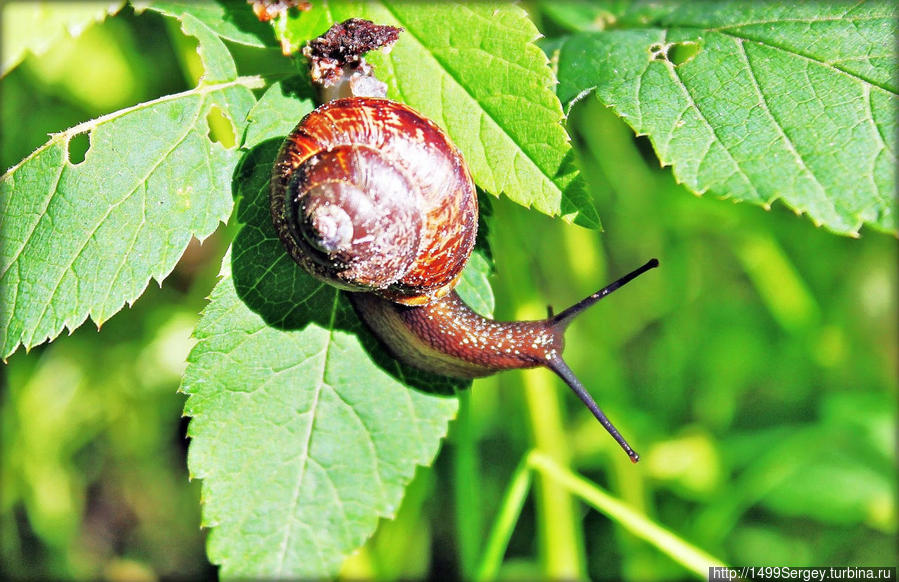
370	196
447	337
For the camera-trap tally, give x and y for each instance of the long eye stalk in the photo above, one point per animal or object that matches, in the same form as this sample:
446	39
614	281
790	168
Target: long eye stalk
557	365
562	319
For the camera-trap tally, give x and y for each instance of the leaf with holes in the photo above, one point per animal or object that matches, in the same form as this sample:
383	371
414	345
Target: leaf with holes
304	431
758	101
474	69
79	240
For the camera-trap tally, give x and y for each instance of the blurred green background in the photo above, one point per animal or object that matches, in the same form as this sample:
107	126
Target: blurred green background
755	371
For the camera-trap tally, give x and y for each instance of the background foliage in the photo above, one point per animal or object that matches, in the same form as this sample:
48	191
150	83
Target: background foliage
755	371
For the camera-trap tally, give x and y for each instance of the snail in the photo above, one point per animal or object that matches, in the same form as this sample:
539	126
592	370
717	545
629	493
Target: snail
372	197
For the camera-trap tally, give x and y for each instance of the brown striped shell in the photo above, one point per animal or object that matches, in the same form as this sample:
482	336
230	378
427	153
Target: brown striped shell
369	195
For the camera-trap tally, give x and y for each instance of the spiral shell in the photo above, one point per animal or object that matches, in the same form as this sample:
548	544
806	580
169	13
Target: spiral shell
369	195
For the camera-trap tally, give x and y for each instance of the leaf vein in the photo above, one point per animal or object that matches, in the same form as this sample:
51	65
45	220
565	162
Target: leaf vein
763	103
43	212
344	523
738	169
812	59
126	257
306	446
885	143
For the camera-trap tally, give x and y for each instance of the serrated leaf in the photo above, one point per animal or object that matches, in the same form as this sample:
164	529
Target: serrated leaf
474	69
302	443
79	240
759	101
232	19
34	26
303	429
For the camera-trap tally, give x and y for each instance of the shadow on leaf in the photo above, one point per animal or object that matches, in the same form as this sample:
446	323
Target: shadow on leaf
246	21
284	295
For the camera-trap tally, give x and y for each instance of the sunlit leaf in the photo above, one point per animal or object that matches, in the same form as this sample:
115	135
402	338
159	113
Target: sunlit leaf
304	431
759	101
79	240
34	26
474	69
232	20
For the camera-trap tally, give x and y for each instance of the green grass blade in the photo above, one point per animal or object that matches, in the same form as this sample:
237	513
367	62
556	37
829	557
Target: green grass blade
507	517
559	537
680	551
466	487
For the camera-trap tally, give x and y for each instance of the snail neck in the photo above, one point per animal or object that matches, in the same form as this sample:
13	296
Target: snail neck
448	337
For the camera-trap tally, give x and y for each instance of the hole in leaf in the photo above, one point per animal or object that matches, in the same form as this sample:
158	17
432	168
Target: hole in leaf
676	53
658	51
220	128
682	52
77	148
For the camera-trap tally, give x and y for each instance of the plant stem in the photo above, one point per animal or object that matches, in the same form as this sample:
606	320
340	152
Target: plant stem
466	487
507	516
559	533
680	551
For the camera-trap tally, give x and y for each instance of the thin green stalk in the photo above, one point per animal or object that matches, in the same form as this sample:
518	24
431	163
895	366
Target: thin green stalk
509	512
778	283
689	556
466	488
559	532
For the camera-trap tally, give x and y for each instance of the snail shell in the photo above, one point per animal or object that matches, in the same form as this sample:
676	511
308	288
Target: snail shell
369	195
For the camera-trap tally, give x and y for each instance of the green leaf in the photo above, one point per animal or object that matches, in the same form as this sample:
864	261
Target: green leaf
232	20
79	240
301	441
34	26
304	430
582	15
474	69
473	286
278	111
829	487
759	101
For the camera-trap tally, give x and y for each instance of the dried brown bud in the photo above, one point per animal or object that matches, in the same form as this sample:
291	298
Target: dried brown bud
338	53
347	41
266	10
